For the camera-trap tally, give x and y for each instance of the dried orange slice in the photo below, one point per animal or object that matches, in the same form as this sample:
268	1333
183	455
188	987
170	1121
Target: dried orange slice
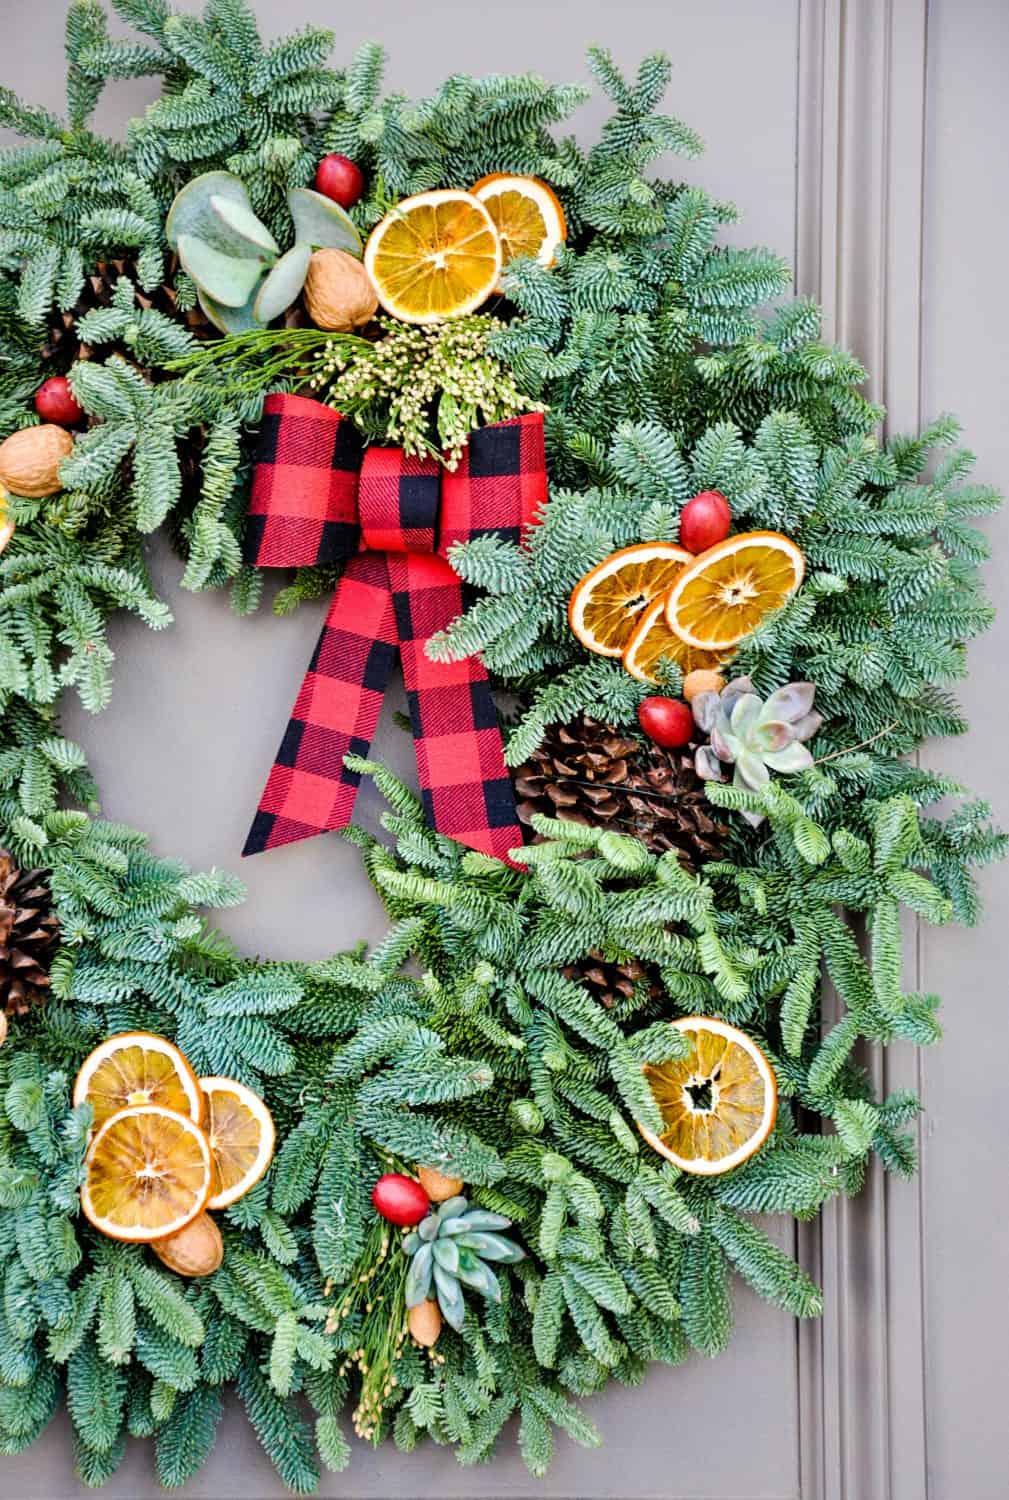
607	604
718	1104
652	639
434	256
527	213
725	592
148	1172
136	1067
241	1134
6	524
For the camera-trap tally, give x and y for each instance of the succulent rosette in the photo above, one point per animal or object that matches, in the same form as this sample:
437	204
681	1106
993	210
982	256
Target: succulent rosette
450	1249
755	735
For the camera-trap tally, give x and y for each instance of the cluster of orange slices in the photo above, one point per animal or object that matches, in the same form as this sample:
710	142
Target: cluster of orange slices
440	255
165	1144
656	600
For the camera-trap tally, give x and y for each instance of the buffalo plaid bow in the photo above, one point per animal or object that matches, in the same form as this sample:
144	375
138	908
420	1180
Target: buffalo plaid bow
318	496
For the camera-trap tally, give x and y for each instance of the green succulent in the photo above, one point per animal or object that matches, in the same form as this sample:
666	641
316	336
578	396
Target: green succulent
755	736
449	1250
242	277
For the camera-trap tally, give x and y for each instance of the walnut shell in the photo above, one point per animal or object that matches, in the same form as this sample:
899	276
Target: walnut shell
196	1250
30	460
437	1186
425	1322
338	293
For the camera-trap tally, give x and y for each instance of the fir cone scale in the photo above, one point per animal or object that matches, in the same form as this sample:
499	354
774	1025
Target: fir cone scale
29	934
591	773
62	344
610	980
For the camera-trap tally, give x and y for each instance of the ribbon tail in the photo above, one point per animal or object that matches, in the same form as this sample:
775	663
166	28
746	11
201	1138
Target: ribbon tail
464	783
310	790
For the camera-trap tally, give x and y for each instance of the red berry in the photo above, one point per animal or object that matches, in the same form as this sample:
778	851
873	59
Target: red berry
667	721
400	1200
339	178
55	402
704	520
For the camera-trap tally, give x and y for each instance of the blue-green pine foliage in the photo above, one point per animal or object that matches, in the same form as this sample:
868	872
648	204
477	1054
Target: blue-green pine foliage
459	1043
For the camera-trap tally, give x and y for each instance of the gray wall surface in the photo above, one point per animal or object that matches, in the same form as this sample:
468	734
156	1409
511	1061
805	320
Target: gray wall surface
865	142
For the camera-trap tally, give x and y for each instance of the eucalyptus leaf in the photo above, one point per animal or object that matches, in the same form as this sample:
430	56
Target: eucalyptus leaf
283	284
321	223
242	226
228	319
227	278
191	212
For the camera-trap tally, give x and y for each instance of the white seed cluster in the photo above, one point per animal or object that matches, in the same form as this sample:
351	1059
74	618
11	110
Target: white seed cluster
435	383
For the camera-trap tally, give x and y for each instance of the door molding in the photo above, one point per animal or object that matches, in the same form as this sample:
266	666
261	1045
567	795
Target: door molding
860	167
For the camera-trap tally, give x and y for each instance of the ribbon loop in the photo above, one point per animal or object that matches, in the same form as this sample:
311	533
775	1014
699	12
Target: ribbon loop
303	507
318	496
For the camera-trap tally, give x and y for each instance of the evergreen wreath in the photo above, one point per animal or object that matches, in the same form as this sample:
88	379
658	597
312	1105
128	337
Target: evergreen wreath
489	1059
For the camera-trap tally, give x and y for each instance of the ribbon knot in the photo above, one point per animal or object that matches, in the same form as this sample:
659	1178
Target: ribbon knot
319	496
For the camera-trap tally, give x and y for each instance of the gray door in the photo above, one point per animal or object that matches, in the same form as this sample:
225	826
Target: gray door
859	138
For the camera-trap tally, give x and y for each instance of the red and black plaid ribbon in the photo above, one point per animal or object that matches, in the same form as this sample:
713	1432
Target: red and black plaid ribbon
318	495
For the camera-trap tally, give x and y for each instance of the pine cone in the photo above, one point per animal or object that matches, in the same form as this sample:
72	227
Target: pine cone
29	933
591	773
62	346
610	980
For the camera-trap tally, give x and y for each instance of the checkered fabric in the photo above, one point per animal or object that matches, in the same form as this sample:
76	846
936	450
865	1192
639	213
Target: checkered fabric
317	496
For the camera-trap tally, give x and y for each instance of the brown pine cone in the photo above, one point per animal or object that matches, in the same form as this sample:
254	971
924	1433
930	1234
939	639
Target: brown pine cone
611	980
592	773
62	345
29	934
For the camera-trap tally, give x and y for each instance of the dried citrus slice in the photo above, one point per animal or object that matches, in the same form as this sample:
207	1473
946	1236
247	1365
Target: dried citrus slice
148	1172
527	213
725	592
652	639
434	256
718	1104
6	524
136	1067
241	1135
607	604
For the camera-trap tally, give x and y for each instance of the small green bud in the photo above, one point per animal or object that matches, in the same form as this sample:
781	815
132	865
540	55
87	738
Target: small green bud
526	1115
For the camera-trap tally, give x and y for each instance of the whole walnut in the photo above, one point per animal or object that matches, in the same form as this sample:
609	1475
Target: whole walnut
196	1250
30	460
338	293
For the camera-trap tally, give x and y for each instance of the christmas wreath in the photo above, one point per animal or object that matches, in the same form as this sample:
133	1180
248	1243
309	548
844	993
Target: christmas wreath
516	1150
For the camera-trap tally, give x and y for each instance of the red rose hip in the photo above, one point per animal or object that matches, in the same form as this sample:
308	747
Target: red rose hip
55	402
704	520
400	1200
667	721
339	178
